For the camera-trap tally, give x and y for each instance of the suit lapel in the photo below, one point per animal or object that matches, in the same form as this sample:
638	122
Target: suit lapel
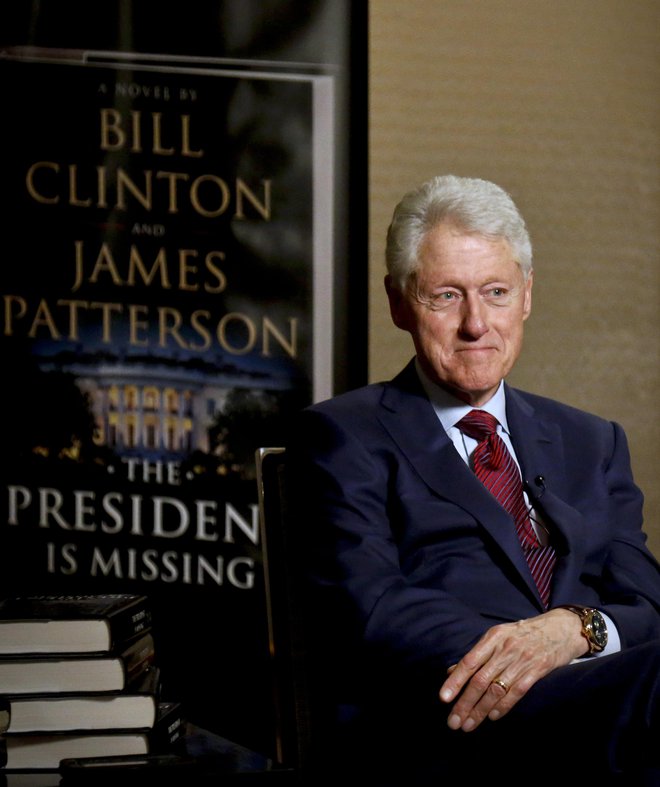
540	451
408	416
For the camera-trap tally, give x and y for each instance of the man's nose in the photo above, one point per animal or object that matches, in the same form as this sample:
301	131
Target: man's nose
474	317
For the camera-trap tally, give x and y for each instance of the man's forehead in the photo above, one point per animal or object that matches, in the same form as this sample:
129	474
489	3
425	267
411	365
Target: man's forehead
450	233
467	257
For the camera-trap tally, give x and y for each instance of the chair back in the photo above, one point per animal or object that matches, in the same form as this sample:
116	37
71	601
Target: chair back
285	629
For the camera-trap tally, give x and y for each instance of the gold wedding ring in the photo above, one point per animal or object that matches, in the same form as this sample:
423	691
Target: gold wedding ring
501	684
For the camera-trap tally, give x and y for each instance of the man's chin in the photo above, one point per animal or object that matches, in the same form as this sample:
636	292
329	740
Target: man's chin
472	392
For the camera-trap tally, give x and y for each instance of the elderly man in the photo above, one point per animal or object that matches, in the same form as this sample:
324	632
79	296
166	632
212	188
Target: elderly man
482	601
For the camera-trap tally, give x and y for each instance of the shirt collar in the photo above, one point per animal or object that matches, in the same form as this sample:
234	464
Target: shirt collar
450	410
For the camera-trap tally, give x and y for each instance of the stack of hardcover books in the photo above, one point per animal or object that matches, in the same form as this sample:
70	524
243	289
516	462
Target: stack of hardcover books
78	679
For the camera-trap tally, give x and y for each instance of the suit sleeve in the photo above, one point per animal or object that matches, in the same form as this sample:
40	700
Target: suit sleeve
343	484
631	577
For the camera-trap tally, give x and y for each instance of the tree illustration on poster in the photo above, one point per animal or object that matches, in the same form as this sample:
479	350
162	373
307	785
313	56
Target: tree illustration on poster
180	202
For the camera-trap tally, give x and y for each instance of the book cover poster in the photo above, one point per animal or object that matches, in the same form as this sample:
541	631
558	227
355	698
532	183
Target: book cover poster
166	283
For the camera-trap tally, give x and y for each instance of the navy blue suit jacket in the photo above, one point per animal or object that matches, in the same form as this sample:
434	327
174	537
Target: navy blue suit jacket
412	559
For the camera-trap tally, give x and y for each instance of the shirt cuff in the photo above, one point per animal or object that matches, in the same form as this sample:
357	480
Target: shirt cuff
613	639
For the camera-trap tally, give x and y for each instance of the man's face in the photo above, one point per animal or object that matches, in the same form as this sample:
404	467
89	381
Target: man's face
465	308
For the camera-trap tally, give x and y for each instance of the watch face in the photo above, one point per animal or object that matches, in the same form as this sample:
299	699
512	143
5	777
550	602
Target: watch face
599	629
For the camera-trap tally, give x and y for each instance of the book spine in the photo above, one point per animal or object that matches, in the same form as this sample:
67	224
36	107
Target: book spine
169	727
129	622
137	659
5	714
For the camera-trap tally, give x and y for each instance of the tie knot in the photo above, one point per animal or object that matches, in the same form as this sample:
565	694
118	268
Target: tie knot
478	424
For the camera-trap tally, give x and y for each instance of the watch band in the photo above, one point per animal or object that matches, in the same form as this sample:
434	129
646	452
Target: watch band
594	628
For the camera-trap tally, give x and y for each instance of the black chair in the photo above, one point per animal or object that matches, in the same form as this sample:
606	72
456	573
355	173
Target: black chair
307	743
292	735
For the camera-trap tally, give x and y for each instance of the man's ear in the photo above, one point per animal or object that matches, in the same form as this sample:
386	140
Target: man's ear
527	303
398	304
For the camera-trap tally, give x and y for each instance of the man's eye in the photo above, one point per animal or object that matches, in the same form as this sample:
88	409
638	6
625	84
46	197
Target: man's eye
438	300
443	300
498	294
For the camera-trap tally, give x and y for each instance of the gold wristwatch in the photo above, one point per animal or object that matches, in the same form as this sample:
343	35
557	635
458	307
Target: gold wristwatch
594	628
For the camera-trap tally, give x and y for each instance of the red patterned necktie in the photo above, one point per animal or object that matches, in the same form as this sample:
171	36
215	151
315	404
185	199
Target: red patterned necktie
496	469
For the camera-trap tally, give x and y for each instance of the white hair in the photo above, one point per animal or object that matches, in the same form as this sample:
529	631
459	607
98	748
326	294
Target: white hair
474	205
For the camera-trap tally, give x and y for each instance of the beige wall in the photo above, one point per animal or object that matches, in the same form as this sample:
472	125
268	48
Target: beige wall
558	102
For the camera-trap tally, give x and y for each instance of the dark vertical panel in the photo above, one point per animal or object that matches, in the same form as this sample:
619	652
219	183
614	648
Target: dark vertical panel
223	686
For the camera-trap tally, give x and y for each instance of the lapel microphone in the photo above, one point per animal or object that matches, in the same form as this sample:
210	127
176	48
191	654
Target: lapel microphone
539	483
535	498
